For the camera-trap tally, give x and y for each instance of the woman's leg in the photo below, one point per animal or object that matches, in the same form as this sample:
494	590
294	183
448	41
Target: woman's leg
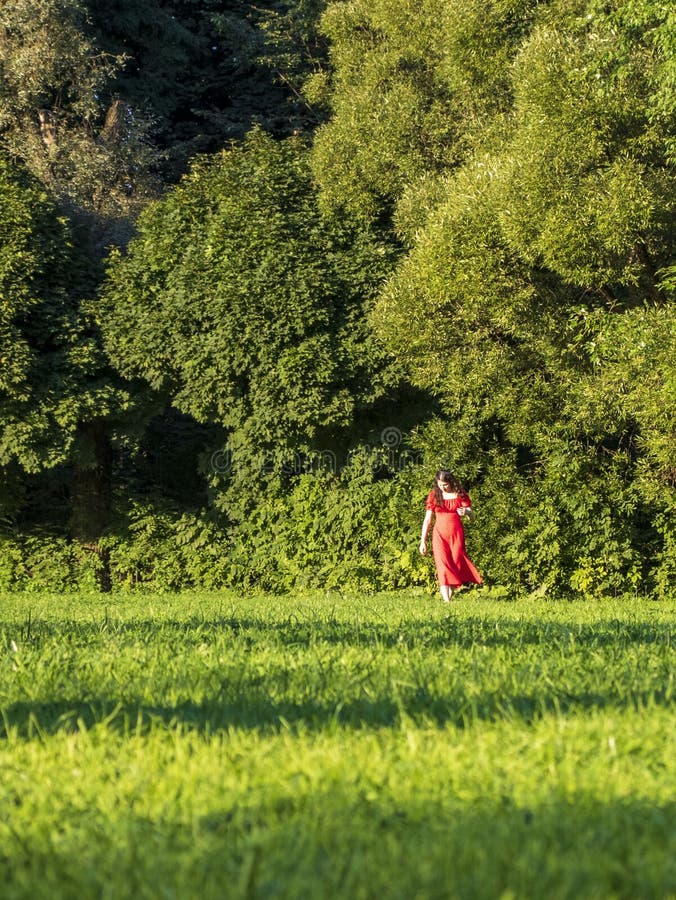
446	592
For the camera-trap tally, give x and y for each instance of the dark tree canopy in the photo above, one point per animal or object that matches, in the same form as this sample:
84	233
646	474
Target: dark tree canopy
204	73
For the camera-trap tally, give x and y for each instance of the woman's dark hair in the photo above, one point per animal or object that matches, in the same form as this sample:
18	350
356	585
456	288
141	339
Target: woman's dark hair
448	478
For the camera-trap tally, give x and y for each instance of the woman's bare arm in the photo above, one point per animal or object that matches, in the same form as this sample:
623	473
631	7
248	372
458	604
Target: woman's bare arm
425	529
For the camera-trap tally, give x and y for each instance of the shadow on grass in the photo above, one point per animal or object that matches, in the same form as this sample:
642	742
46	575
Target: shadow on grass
251	709
444	849
346	843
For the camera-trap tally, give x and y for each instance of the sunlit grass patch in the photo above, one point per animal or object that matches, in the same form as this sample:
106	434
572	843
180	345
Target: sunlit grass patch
213	745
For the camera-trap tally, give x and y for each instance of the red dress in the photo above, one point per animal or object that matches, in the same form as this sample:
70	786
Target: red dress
448	542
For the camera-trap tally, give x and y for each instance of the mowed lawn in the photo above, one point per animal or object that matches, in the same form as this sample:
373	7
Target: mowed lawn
387	746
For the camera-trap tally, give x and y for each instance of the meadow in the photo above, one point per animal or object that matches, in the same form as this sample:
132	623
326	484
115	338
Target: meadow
329	746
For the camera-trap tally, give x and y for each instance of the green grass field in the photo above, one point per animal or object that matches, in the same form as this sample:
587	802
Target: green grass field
210	745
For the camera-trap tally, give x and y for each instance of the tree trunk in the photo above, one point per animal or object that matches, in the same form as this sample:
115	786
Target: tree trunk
91	496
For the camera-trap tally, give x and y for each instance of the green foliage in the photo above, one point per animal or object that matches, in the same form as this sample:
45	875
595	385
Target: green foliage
245	304
162	551
354	531
634	381
156	549
55	118
634	378
461	311
358	530
51	362
98	99
88	92
37	563
202	73
414	86
522	304
520	154
384	91
587	191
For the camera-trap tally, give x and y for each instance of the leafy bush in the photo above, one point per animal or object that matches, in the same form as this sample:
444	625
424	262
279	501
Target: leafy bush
40	563
351	530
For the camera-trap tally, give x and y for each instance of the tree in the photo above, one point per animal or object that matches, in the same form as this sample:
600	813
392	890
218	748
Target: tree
246	306
103	102
203	73
55	388
92	101
413	88
57	115
549	237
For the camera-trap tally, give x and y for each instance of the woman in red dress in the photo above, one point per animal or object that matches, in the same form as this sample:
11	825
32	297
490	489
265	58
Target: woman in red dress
449	503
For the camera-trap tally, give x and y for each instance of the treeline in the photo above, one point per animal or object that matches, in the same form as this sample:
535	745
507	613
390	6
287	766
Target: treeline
264	267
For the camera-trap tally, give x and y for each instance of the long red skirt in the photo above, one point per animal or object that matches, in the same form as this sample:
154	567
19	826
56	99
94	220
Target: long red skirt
453	565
